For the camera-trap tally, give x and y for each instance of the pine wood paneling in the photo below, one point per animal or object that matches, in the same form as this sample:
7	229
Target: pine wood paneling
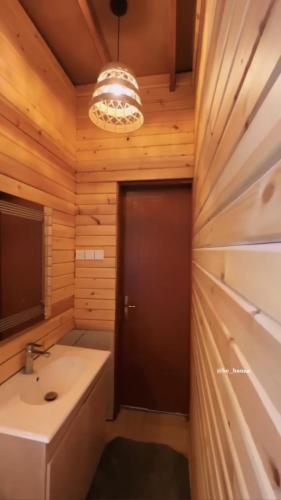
167	134
37	145
161	149
237	267
235	421
249	89
36	85
251	217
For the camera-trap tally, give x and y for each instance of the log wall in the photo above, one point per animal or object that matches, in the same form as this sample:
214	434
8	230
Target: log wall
37	158
236	321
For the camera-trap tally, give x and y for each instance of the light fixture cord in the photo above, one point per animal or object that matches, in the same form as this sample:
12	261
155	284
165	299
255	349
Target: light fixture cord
118	38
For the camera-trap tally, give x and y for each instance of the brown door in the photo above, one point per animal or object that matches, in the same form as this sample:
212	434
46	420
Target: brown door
153	364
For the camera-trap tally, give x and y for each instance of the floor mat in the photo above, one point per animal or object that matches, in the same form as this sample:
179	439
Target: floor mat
130	470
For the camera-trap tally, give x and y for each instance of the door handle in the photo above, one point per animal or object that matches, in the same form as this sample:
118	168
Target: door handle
127	306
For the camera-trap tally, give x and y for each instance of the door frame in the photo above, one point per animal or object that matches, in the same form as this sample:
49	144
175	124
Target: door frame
121	187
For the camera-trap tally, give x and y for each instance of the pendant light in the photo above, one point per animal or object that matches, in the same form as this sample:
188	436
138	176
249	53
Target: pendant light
116	104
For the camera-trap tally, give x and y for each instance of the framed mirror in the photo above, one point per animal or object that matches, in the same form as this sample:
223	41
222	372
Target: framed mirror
24	264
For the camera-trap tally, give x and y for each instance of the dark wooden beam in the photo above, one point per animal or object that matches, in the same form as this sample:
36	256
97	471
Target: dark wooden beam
94	31
173	44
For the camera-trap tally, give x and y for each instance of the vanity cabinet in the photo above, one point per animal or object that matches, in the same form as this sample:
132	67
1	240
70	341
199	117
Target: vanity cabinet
64	468
71	467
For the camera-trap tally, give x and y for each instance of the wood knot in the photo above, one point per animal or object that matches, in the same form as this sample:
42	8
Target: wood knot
97	221
222	276
268	192
275	473
176	127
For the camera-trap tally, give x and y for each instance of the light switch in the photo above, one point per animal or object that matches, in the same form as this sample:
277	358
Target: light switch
99	254
80	254
87	254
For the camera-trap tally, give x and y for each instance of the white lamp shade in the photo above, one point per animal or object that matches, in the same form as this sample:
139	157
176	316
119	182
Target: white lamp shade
116	105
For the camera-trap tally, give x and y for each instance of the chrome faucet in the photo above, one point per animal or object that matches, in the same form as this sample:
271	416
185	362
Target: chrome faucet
31	352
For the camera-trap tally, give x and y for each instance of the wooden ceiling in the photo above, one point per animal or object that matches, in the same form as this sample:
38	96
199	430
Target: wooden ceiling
146	35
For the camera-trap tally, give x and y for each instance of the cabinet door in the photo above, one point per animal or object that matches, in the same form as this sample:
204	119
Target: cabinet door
73	465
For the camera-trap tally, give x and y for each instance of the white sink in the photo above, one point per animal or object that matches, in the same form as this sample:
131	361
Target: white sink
57	376
69	371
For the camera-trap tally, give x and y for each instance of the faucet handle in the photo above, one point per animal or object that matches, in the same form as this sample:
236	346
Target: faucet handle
31	345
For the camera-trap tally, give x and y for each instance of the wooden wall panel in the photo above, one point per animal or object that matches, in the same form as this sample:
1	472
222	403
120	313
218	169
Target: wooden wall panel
161	149
236	424
164	142
37	145
33	83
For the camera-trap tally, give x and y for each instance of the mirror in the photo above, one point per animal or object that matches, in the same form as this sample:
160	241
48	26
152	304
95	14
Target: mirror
21	264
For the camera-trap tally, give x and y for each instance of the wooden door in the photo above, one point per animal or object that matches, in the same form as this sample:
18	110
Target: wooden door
154	311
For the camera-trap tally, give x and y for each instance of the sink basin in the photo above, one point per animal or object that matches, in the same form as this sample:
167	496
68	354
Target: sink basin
69	372
57	376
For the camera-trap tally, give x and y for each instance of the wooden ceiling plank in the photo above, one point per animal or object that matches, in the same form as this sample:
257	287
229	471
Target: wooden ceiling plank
94	32
173	44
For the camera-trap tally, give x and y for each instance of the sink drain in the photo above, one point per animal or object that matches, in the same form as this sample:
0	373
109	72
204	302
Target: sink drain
51	396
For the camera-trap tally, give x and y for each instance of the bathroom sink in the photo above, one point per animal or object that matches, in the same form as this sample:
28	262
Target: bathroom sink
66	374
57	377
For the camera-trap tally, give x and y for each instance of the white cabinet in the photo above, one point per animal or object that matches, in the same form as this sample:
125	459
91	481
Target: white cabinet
64	468
74	461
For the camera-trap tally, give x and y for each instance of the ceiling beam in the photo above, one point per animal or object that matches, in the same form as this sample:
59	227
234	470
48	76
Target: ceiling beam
94	31
198	38
173	44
